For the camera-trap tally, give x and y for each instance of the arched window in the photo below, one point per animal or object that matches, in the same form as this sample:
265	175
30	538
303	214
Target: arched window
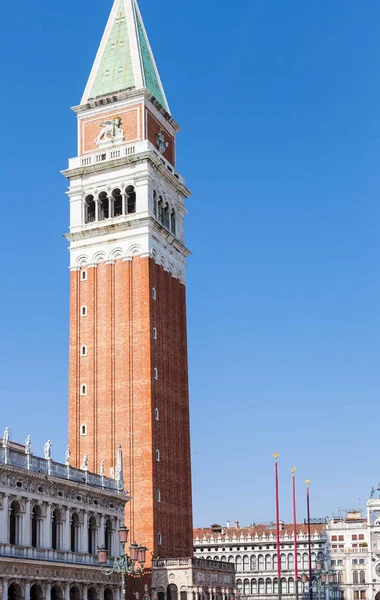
83	311
83	429
117	199
268	586
158	496
173	223
283	562
361	577
155	373
283	585
320	557
313	558
165	216
92	535
253	562
275	585
275	562
154	333
231	559
36	592
57	530
224	559
15	524
83	351
245	563
238	563
246	587
156	414
14	592
159	538
104	211
108	533
355	578
261	586
291	586
89	209
83	390
36	526
253	586
131	199
305	561
75	533
239	584
299	561
290	562
83	275
268	562
260	561
157	455
155	203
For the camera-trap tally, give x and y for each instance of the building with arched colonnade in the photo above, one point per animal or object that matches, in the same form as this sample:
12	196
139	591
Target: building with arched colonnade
53	517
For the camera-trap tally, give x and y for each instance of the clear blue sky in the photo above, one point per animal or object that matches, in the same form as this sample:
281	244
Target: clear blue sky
279	105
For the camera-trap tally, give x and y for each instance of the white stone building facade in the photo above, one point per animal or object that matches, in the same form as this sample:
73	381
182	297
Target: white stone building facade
52	520
253	552
354	552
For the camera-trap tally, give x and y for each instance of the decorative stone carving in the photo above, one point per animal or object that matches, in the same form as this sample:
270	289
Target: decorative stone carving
47	450
6	438
160	142
84	465
111	132
68	456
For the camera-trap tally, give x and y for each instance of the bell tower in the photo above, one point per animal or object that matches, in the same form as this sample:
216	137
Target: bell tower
128	379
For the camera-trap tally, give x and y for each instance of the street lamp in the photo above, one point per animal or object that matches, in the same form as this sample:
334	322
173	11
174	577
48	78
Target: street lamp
322	578
124	564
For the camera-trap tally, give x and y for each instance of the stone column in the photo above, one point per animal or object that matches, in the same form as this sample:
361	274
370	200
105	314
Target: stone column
26	526
115	539
84	541
85	592
101	539
5	589
48	526
4	521
27	590
67	531
67	591
48	591
96	209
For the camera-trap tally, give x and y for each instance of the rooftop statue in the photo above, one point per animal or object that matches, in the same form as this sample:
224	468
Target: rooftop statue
47	450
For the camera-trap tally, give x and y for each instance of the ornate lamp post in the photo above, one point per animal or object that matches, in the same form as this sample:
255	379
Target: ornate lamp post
124	564
322	578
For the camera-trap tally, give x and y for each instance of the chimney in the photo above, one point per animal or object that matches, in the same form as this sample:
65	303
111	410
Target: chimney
236	524
228	524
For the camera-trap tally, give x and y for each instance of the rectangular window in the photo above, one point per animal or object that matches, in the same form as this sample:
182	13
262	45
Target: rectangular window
354	545
340	562
361	536
354	537
333	563
356	595
362	595
334	538
361	561
341	545
341	538
334	546
355	561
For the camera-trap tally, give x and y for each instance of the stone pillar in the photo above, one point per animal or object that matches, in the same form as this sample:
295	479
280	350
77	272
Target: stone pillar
101	539
4	520
85	592
5	589
67	531
84	541
47	529
67	591
26	539
115	539
47	591
27	590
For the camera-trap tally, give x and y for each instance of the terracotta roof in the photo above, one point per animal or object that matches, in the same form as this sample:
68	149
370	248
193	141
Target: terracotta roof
259	530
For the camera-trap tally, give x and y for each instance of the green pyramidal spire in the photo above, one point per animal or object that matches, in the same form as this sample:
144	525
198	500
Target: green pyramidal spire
124	58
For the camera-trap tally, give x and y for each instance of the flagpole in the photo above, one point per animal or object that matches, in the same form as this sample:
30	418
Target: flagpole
309	539
277	526
295	528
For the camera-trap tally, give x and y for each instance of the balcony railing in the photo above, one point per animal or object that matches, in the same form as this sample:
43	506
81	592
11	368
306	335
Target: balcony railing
66	556
195	562
124	151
